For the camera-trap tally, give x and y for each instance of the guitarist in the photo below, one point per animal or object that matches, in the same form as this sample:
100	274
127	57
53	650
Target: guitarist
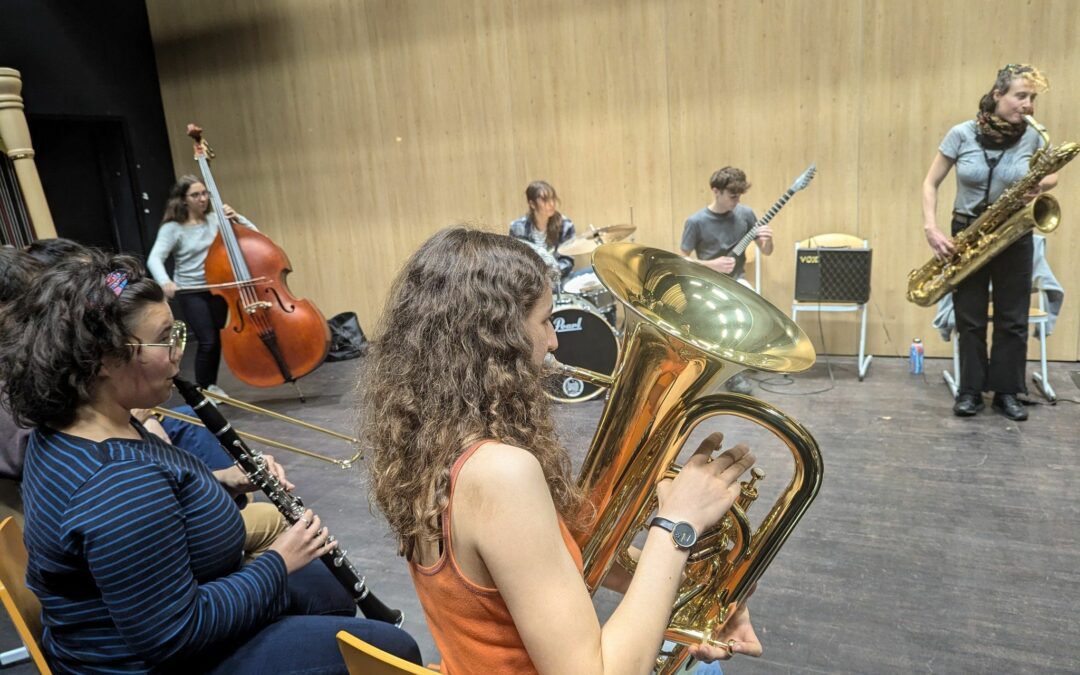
712	232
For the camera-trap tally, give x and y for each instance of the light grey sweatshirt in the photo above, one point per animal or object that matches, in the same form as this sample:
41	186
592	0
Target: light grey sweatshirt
188	245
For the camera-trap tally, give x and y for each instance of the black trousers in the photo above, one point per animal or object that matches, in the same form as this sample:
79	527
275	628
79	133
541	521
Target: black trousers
1010	273
205	314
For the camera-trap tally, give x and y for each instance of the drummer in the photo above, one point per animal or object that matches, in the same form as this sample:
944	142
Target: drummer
544	228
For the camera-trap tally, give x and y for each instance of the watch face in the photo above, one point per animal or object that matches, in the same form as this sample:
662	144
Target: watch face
684	535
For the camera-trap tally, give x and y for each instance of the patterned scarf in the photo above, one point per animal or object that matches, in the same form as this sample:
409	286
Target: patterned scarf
995	133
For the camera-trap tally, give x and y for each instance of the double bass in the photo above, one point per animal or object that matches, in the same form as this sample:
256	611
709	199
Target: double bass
271	337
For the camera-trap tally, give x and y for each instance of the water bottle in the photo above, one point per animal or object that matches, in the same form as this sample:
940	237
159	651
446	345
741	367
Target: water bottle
915	357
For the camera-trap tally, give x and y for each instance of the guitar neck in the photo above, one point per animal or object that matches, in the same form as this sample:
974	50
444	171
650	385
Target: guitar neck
745	242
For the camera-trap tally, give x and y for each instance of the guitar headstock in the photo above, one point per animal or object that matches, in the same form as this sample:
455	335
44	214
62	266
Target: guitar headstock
202	148
804	180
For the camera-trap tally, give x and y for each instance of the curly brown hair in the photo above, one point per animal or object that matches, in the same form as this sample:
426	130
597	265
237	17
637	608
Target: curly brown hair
54	338
451	366
17	270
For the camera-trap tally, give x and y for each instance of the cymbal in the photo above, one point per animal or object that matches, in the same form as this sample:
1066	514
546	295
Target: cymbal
612	233
579	246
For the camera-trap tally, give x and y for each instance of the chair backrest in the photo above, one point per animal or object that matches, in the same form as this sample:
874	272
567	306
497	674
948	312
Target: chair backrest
21	604
832	240
754	260
362	658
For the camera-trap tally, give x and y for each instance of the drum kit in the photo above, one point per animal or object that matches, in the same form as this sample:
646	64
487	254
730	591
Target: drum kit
586	320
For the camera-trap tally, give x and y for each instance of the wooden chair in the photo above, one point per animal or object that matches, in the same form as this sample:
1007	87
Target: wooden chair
21	604
362	658
837	240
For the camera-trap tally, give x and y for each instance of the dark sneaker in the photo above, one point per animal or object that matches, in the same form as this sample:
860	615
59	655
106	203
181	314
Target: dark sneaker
967	405
1010	406
740	384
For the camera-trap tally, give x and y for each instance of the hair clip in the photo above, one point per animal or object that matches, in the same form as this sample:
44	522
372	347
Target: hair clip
117	281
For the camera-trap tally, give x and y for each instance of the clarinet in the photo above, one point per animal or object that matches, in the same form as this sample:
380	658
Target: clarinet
252	463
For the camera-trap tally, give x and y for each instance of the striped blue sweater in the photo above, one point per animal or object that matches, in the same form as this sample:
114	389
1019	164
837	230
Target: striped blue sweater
135	552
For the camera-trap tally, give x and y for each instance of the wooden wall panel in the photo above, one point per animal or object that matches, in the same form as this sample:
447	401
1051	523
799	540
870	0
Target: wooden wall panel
351	130
756	87
919	80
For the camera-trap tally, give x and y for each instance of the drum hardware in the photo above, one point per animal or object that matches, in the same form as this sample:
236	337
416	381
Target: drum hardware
580	245
584	244
613	233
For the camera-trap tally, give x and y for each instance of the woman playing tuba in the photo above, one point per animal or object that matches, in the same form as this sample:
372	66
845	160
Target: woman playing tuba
468	471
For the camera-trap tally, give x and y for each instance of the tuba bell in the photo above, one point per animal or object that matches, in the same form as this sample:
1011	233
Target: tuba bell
688	329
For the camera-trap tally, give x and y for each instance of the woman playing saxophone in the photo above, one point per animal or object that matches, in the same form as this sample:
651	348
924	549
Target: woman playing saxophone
990	153
467	468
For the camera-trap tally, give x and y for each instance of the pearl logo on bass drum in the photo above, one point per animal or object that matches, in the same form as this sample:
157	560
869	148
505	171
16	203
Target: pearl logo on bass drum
586	340
573	387
561	325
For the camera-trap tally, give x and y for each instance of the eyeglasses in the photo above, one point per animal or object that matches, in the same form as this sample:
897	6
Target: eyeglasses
177	341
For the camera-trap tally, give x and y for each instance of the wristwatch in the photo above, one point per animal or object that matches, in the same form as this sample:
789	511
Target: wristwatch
682	533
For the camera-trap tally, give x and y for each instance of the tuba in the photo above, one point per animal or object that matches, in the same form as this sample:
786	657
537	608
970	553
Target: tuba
688	329
1010	217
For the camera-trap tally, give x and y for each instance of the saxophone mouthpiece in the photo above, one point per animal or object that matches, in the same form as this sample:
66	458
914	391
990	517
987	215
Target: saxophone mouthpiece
1040	129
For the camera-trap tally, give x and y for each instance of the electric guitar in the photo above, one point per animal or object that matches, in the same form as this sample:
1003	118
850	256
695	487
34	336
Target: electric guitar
800	184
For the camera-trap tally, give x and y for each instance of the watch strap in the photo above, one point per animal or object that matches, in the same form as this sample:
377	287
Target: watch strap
668	525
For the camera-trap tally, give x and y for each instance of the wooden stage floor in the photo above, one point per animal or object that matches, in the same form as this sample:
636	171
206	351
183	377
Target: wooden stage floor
936	545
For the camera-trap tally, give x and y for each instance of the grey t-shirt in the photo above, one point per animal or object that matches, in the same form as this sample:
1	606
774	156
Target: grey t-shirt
710	235
971	168
188	245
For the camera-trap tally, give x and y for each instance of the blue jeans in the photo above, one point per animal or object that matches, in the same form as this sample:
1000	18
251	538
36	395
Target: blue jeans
306	644
313	591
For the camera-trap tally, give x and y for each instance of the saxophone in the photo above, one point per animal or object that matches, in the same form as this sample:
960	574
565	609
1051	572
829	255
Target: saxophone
1010	217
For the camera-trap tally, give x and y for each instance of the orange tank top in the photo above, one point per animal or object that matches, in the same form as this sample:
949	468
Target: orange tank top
471	624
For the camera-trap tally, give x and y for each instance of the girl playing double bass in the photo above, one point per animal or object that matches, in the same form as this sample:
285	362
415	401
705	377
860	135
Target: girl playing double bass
187	230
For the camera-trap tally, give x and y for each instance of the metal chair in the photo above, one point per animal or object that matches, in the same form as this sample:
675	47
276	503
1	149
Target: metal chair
837	240
21	604
754	257
362	658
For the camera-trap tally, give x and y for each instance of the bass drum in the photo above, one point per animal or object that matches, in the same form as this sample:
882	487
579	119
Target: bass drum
586	340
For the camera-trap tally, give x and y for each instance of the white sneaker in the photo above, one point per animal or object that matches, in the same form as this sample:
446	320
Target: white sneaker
214	389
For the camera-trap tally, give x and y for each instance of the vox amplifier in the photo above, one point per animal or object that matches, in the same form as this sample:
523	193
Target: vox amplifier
832	275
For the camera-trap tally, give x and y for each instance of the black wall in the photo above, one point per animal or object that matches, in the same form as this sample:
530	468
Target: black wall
93	104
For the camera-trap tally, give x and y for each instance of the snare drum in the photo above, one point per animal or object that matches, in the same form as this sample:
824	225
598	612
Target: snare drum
586	340
588	287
